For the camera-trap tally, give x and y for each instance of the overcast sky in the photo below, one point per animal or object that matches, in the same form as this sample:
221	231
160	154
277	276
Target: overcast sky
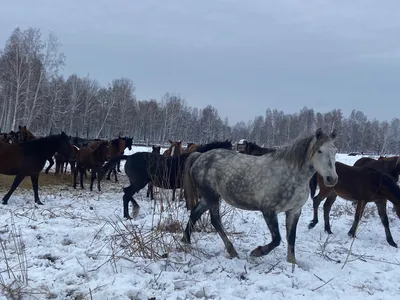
240	56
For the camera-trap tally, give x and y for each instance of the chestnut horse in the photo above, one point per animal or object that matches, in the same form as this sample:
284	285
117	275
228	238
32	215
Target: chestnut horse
29	158
360	184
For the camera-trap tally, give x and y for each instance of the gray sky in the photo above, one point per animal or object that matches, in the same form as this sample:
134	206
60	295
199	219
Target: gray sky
239	56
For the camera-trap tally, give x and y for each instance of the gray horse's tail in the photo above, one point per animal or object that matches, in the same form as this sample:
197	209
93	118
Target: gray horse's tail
313	184
189	186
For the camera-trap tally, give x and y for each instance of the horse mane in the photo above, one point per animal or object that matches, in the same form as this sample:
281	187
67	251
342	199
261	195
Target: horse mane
215	144
298	152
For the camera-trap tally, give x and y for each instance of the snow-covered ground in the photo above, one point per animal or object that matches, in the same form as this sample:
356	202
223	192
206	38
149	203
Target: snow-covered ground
76	246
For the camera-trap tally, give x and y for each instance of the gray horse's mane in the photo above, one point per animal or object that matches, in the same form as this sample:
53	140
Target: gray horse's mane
298	152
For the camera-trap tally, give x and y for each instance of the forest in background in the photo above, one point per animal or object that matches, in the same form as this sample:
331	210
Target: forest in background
34	93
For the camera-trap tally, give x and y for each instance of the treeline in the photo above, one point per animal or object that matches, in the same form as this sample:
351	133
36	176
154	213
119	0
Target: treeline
33	93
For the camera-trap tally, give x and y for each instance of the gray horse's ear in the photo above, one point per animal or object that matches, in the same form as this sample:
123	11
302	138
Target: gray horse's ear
333	134
318	133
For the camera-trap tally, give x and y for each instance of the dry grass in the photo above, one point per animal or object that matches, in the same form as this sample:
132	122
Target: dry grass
44	180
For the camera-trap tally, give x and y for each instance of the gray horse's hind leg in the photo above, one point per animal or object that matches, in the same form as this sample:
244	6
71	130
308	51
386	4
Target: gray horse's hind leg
272	222
216	222
197	211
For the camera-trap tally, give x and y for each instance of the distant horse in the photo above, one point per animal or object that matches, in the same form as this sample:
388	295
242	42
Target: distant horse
62	162
25	135
128	144
92	159
254	149
192	147
363	185
155	150
271	183
10	138
115	147
175	149
29	158
144	167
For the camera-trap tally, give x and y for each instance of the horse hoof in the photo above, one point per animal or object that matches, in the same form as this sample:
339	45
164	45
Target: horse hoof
185	240
312	225
351	234
39	203
328	231
257	252
4	202
392	243
232	252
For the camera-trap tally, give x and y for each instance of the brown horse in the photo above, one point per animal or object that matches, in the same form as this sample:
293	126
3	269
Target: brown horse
93	159
361	184
155	150
253	149
25	135
175	150
29	158
115	147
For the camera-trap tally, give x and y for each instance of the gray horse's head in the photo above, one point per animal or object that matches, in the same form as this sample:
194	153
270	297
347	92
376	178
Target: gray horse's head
323	152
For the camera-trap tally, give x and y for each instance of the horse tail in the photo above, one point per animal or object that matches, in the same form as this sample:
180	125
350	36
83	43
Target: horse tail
189	186
391	191
313	184
110	164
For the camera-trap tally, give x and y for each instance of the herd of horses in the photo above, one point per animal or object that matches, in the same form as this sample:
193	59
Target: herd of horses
255	178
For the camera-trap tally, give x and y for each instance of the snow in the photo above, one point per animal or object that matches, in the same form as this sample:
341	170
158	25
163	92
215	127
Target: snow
76	246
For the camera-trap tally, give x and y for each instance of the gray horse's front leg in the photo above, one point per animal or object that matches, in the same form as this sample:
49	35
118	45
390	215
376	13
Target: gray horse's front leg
292	218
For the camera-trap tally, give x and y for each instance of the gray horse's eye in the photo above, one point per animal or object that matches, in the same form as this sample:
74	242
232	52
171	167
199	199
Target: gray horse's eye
319	151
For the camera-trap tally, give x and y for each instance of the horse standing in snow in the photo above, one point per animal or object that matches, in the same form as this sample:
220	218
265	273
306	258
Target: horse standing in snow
271	183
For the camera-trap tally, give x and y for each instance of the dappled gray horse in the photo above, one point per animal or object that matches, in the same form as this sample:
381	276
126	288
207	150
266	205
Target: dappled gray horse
272	183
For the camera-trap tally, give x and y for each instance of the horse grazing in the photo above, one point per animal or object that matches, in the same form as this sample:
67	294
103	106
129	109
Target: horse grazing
155	150
363	185
144	167
93	159
29	158
271	183
253	149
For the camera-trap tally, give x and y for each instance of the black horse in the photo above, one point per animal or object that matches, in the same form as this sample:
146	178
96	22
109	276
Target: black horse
145	167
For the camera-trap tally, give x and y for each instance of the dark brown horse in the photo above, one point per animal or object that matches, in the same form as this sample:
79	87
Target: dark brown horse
116	147
361	184
254	149
25	135
29	158
174	150
92	159
155	150
62	162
